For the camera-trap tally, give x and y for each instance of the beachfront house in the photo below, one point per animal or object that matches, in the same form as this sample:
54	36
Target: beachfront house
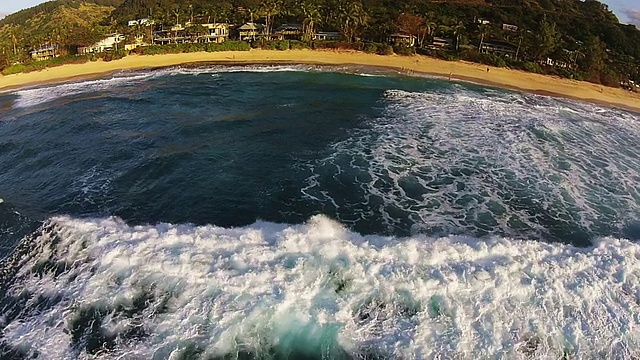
45	52
290	31
402	40
327	36
214	33
175	35
499	48
109	43
141	22
250	31
439	43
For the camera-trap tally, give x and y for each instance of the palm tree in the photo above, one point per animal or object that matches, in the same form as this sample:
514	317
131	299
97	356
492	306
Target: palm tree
176	12
457	29
269	9
484	31
349	17
312	15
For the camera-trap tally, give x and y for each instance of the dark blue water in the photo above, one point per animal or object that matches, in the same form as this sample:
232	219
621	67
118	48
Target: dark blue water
380	155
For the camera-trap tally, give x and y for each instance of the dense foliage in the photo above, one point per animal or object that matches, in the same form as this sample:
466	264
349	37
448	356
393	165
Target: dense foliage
581	39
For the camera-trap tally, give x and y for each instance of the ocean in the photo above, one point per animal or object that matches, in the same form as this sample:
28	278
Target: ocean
304	212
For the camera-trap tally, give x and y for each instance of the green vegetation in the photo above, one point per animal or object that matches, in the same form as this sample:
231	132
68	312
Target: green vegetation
41	65
580	39
187	48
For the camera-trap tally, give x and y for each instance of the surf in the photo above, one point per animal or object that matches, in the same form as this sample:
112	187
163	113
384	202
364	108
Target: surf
317	288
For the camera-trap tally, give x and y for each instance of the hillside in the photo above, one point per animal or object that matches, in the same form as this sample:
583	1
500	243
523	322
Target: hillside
580	39
68	22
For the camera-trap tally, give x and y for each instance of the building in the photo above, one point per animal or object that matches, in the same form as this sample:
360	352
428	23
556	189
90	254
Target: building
483	21
500	48
107	44
509	27
290	31
327	36
214	33
402	39
250	31
142	22
45	52
440	43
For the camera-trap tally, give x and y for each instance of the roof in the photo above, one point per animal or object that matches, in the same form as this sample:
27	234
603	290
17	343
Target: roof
499	43
402	35
290	27
215	25
251	26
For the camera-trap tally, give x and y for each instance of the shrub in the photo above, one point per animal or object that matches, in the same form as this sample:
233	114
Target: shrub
448	56
272	45
404	50
532	67
14	69
114	55
41	65
370	48
298	45
385	49
229	46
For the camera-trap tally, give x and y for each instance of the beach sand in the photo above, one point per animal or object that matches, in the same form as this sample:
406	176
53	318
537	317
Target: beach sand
459	70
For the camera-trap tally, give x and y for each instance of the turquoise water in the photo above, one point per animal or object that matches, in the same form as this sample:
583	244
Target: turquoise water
297	211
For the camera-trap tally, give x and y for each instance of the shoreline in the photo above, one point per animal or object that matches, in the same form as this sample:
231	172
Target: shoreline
406	65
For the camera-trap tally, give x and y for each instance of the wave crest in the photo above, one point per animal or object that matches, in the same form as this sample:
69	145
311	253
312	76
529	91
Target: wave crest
154	291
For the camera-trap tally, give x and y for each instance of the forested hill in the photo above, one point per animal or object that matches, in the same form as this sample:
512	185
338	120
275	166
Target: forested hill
583	36
22	17
575	20
67	22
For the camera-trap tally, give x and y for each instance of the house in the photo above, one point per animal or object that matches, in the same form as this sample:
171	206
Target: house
500	48
327	36
483	21
214	33
250	31
165	37
440	43
509	27
106	44
290	31
45	52
402	39
142	22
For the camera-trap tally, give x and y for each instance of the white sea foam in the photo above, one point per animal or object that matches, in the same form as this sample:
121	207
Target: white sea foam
35	96
318	285
487	161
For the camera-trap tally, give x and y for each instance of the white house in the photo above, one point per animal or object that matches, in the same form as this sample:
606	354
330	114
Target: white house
143	22
106	44
44	52
250	31
216	33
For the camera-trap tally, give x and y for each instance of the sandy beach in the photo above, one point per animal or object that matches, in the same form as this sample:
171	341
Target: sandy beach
459	70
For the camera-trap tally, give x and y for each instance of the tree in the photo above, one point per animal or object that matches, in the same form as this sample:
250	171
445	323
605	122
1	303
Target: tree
269	9
595	57
311	12
547	39
412	25
350	17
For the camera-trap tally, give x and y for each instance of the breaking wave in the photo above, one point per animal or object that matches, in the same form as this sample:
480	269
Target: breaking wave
36	96
481	161
83	288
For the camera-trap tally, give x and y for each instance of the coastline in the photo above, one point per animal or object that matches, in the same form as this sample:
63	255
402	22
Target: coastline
411	65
